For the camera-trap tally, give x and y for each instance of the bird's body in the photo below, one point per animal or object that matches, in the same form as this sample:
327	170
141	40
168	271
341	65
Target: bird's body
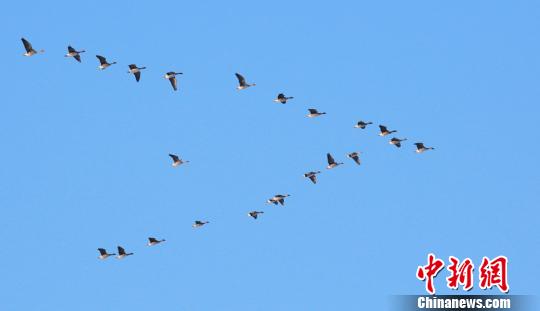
103	64
362	124
74	53
122	253
355	156
314	113
331	162
29	49
242	84
385	131
153	241
255	214
176	160
136	71
281	98
199	223
312	176
396	141
103	254
421	148
171	76
278	199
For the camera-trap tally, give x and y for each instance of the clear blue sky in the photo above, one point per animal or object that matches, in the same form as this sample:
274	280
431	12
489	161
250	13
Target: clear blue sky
85	165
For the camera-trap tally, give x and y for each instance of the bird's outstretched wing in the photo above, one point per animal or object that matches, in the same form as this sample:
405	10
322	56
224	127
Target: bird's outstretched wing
27	45
241	79
173	82
137	76
102	60
330	158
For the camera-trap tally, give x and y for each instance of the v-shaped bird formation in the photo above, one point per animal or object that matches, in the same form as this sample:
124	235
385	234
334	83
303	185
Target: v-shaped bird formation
278	199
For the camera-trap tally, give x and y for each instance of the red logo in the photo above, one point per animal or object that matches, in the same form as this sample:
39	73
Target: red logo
491	273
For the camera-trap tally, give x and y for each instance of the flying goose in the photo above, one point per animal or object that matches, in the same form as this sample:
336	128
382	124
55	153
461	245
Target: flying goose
281	98
278	198
355	156
176	160
74	53
171	75
103	64
362	124
385	131
421	148
136	71
153	241
312	176
396	141
242	84
199	223
314	113
103	253
255	214
331	162
29	49
122	253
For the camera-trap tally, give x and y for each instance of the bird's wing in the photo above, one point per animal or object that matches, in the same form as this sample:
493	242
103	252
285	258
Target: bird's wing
27	45
102	251
383	128
420	146
330	158
132	66
77	57
281	96
241	79
137	76
313	178
71	50
102	60
152	240
173	82
311	110
281	201
121	250
356	159
174	157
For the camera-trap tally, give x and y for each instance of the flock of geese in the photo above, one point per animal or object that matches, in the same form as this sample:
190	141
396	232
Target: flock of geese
278	199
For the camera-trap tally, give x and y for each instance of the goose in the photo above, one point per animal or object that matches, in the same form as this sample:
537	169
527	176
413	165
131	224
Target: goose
312	176
103	64
29	49
171	75
331	162
278	198
176	160
74	53
421	148
255	214
362	124
396	141
122	253
136	71
385	131
355	156
281	98
153	241
242	84
199	223
103	254
314	113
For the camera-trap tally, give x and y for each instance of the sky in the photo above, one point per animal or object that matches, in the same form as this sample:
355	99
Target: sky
85	152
